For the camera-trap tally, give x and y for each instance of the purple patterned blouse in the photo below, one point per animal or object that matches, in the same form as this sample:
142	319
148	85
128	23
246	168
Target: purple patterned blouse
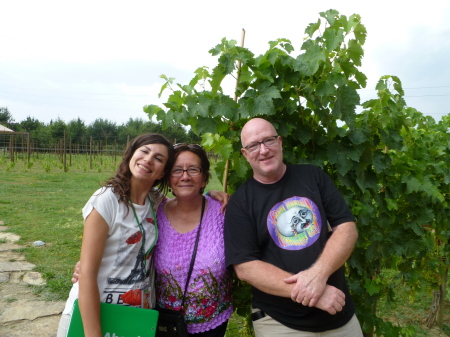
208	301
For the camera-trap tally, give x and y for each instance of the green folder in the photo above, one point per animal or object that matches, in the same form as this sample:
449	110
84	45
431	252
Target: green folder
118	321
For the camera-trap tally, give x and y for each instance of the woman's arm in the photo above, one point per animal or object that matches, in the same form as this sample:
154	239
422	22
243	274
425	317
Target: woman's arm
94	240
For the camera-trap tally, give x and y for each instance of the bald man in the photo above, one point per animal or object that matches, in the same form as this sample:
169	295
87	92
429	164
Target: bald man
288	232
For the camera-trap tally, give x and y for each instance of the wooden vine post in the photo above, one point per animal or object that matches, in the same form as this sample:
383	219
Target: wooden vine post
227	163
437	307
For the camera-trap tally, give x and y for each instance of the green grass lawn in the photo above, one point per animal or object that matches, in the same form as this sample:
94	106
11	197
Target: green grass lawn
47	207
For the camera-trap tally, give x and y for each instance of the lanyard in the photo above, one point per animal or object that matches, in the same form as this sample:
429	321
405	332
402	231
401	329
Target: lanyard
141	229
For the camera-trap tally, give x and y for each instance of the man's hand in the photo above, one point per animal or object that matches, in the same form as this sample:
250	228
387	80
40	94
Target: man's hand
309	287
221	197
76	273
332	300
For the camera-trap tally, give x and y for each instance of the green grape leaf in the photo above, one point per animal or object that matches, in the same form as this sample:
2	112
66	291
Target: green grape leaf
380	162
152	110
205	125
246	75
217	78
312	28
330	16
264	106
355	52
333	38
337	79
372	287
325	88
358	136
288	47
392	204
224	106
347	66
360	33
361	78
309	62
345	105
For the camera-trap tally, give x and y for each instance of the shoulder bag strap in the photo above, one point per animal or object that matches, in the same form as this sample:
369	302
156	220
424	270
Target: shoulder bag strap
194	253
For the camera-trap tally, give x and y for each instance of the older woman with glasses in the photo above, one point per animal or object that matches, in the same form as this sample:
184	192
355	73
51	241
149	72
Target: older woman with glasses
204	297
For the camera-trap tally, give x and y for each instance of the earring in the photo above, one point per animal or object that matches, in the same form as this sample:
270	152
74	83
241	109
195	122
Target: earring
202	190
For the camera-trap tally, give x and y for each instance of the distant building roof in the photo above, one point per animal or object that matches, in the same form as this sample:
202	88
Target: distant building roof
5	129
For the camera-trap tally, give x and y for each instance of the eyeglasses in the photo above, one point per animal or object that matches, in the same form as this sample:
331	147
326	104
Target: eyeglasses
191	171
191	146
256	146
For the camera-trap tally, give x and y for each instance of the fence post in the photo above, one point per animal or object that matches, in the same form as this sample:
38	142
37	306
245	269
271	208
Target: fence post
100	148
70	151
115	149
64	152
11	143
60	149
90	154
28	147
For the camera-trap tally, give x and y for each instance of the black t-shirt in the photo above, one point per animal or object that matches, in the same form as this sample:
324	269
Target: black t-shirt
286	224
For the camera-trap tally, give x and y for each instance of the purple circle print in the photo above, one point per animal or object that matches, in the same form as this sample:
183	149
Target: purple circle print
294	223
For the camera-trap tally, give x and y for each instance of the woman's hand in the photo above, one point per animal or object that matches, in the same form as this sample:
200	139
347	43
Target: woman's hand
76	272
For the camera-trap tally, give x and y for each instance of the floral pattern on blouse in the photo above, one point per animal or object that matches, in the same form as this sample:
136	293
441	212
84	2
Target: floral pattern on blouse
206	296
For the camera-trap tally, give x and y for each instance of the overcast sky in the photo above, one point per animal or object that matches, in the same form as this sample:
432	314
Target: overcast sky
102	59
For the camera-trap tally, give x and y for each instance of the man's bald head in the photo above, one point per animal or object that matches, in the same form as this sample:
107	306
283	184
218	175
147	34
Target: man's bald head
267	160
253	127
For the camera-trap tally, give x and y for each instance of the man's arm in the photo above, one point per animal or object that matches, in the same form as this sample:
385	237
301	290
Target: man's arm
265	277
309	284
270	279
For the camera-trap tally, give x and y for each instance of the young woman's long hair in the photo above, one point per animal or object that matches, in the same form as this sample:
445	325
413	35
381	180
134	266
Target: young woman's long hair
121	181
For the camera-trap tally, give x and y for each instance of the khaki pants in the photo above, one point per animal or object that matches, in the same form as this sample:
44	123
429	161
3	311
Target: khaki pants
268	327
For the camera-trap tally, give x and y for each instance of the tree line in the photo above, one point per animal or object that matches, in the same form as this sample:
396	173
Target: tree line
46	134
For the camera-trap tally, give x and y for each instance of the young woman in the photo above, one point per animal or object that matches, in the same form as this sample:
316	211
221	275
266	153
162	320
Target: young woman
208	301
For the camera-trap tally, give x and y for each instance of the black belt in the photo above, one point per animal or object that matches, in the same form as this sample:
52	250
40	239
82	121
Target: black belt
258	315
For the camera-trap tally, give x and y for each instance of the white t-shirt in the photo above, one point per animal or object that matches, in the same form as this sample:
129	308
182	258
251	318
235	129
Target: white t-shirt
124	272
